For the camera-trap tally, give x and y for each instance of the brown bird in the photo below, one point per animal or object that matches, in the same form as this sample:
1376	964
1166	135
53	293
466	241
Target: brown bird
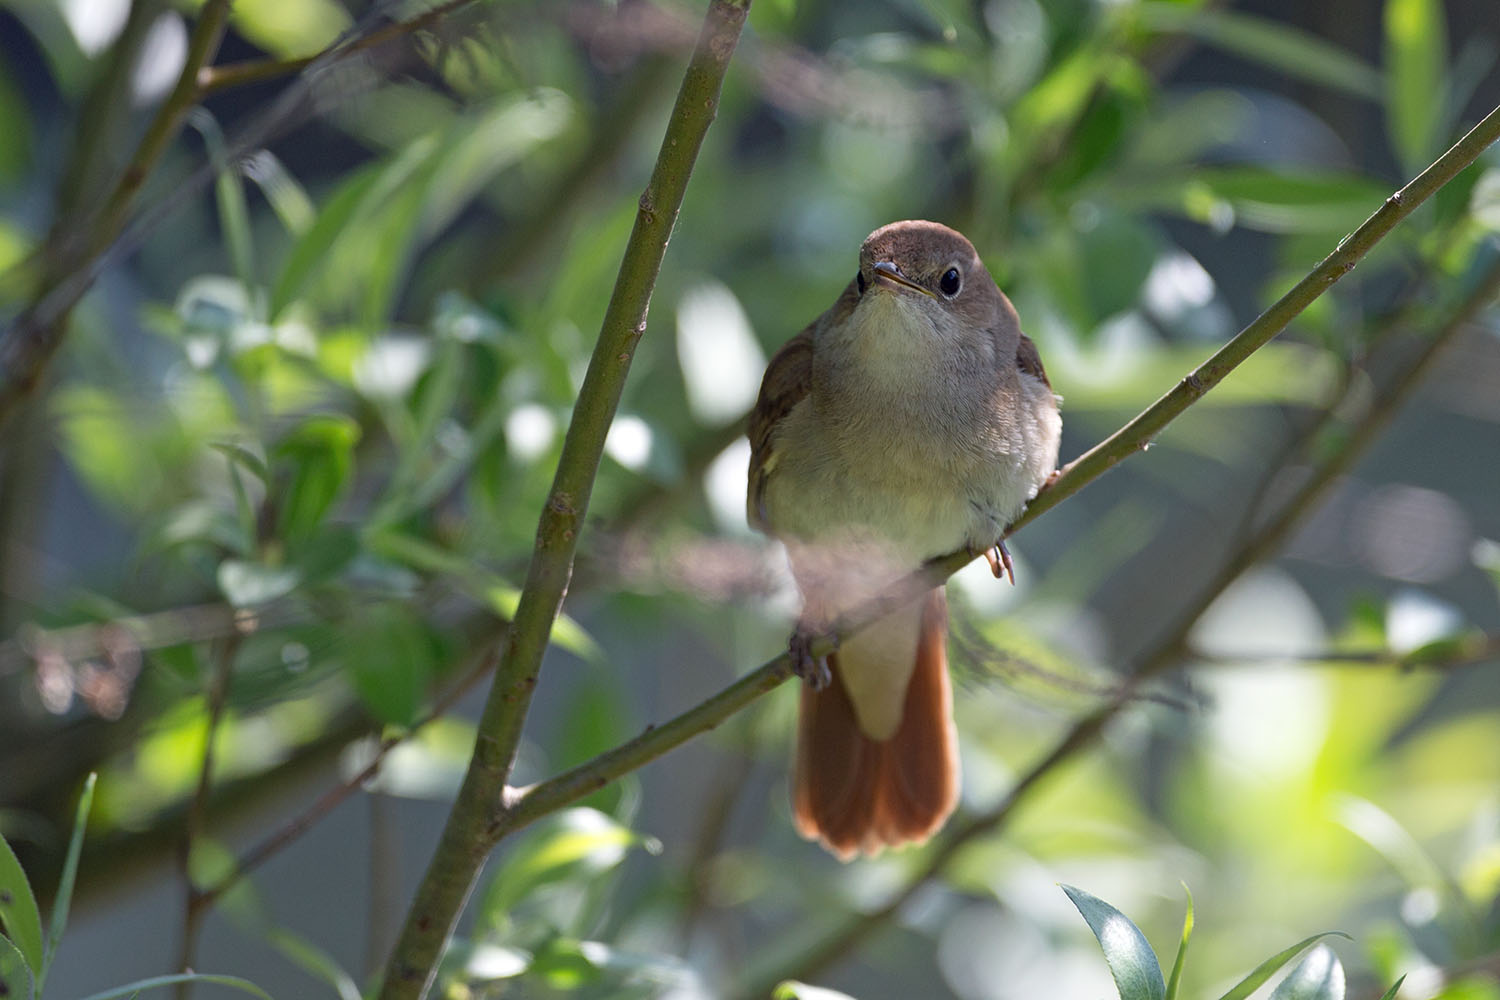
911	419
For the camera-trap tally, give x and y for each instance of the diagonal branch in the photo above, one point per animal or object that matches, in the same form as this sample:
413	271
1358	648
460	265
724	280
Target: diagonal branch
475	823
548	796
1168	652
34	337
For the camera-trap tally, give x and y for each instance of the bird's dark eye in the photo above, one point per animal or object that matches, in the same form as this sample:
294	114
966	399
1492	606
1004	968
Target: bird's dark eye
859	281
949	282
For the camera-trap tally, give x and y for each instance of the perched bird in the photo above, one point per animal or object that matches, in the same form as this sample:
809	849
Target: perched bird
911	419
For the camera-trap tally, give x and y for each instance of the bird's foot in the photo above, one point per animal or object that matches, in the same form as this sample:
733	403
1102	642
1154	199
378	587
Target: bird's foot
812	669
999	559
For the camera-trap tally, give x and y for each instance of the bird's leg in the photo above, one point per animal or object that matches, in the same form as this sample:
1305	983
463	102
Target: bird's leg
999	559
812	669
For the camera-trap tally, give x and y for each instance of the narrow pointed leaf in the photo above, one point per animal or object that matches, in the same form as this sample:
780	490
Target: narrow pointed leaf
1274	964
141	985
1132	963
1390	994
59	921
1187	932
1319	976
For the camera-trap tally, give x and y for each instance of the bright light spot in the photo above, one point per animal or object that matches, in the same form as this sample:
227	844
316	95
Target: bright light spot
1414	618
160	64
721	360
1271	718
529	431
1411	533
629	442
724	483
493	961
1176	284
391	366
95	23
1119	347
1420	907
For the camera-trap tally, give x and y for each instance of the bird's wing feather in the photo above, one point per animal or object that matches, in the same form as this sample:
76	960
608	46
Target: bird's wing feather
788	379
1029	360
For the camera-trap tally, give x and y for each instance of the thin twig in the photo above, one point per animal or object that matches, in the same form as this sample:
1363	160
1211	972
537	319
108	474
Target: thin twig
37	332
473	825
217	698
214	79
289	831
1462	651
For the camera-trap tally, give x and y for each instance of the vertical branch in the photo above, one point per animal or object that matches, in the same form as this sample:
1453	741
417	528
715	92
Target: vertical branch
195	903
478	818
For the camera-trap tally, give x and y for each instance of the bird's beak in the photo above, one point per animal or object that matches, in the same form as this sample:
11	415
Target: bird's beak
886	271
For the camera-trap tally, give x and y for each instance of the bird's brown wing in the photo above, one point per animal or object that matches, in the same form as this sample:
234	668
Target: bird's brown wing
1029	360
787	380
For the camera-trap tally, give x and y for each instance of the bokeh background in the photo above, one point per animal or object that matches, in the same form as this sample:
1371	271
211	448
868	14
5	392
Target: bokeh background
289	459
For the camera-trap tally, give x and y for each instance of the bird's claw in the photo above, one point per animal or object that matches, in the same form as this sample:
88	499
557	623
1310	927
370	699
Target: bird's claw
999	560
812	669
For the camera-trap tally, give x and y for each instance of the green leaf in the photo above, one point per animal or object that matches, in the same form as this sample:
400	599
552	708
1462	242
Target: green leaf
69	878
575	844
1416	48
1132	963
130	989
287	198
1182	947
1283	48
18	912
793	990
478	583
390	657
1390	994
239	455
1274	964
316	459
15	974
312	248
313	960
1319	976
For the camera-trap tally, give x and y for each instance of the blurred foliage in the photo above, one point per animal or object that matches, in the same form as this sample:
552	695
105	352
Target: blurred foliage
301	434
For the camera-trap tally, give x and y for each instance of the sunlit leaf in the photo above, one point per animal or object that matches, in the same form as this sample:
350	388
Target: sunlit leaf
1132	963
18	911
488	962
575	844
290	29
1319	976
1274	964
246	584
793	990
1187	932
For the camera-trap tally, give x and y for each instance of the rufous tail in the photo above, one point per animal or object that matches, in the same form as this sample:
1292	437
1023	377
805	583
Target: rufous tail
856	794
